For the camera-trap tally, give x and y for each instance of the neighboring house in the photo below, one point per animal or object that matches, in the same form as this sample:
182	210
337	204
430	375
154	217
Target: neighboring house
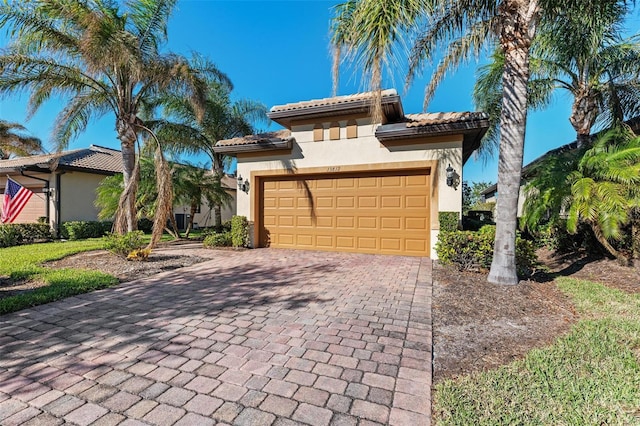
490	194
64	186
333	180
205	215
63	183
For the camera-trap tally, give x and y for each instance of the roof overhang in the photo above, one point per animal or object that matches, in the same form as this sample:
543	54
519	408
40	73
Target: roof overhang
391	110
471	130
260	145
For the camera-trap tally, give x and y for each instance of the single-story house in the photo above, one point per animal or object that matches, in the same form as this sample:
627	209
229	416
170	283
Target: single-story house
64	186
333	179
63	183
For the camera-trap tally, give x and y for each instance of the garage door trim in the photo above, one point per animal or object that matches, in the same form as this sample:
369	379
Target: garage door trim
258	177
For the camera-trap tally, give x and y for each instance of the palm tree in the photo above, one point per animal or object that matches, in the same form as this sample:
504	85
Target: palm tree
598	186
13	141
605	188
195	185
223	118
368	31
103	60
598	68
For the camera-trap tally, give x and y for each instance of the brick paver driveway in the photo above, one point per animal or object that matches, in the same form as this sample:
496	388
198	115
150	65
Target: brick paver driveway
258	337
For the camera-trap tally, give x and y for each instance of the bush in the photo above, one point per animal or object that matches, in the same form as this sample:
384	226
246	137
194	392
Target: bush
222	239
448	221
9	236
473	251
239	231
145	225
123	245
13	234
80	230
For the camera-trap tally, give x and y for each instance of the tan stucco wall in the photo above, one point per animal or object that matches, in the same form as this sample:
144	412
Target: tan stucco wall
77	196
363	150
36	206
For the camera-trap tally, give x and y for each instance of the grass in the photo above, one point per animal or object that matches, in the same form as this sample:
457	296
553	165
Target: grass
590	376
24	263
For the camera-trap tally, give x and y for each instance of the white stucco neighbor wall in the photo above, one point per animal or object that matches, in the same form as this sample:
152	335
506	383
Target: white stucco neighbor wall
206	217
366	149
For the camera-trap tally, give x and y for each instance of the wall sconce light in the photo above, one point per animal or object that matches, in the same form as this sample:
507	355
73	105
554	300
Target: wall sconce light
450	175
243	184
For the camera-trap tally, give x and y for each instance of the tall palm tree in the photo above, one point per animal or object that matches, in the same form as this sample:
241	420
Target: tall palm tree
223	118
13	141
599	69
368	31
103	60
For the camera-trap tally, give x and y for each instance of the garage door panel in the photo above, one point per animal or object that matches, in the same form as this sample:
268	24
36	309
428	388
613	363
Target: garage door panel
347	222
367	243
370	201
372	212
370	222
394	244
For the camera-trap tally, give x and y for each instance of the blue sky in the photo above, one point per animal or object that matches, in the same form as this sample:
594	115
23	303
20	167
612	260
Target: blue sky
278	52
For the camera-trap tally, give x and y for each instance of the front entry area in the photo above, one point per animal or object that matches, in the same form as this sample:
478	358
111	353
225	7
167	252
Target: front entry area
377	212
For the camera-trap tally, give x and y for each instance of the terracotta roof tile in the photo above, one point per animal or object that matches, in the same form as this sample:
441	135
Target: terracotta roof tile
279	135
427	119
330	101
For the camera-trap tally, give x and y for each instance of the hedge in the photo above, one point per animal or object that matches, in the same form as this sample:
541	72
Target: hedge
473	250
13	234
80	230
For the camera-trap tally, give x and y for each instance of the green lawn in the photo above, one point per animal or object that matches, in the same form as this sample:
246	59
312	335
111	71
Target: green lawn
24	262
590	376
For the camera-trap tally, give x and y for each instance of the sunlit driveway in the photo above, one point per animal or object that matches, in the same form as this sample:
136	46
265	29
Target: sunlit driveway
257	337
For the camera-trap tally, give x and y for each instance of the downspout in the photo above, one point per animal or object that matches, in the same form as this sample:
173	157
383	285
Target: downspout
46	191
58	203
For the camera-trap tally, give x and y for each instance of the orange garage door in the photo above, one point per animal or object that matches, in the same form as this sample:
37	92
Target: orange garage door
385	213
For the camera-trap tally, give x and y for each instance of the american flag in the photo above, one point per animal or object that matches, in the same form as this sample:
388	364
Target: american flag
15	198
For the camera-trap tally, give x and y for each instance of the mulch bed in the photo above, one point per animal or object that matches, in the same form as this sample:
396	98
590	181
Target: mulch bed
479	326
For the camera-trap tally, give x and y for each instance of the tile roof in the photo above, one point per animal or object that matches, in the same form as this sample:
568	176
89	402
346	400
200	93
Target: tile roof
95	159
427	119
279	135
336	100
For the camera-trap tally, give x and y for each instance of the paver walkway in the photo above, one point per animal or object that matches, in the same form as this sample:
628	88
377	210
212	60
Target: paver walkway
258	337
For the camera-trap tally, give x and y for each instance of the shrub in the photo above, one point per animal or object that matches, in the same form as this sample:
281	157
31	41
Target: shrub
239	231
9	236
145	225
222	239
80	230
448	221
12	234
123	245
473	251
139	255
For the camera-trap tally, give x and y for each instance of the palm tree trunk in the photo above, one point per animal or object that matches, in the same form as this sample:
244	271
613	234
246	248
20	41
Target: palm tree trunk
218	170
518	29
126	215
584	112
194	207
605	243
